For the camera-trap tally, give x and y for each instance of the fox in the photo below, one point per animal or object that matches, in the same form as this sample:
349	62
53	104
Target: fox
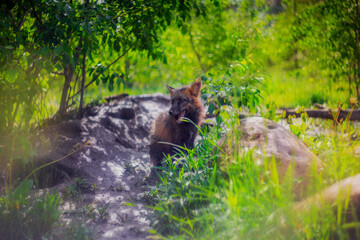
179	125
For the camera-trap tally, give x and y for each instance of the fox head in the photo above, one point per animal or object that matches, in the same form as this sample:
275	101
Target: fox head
185	102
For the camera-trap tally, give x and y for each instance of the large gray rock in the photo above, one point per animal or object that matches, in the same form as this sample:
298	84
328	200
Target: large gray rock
116	161
272	140
346	193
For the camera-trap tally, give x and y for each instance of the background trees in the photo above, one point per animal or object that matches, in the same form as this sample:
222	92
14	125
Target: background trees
43	42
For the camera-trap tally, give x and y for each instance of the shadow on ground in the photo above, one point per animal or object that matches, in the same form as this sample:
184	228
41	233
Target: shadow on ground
112	172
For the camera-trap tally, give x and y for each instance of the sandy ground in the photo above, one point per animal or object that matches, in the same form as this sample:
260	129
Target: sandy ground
113	168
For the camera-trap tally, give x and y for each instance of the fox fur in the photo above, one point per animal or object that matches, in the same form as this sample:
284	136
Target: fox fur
170	129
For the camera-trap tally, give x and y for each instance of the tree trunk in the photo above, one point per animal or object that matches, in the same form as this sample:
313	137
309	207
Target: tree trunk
275	6
68	75
357	54
83	69
352	114
82	83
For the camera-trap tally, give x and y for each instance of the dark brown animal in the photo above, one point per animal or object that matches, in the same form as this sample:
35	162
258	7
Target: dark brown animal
178	126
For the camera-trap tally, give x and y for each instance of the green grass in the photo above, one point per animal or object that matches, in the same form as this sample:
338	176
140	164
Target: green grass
28	214
286	89
27	217
200	197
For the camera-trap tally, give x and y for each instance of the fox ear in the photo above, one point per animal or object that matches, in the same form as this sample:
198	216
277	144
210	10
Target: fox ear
195	88
171	90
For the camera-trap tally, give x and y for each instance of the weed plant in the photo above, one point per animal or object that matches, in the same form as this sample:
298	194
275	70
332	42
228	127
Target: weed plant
29	213
27	217
204	194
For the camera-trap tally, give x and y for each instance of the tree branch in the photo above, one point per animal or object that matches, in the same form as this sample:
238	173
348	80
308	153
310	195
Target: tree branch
22	21
58	73
340	114
35	13
94	79
12	19
196	52
82	89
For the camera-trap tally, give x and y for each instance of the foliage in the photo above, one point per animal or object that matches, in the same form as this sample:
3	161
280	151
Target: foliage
27	217
44	41
331	28
202	197
227	92
229	38
185	182
76	231
312	51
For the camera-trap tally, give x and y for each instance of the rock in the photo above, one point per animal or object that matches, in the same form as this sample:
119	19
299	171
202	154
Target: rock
347	190
116	160
273	140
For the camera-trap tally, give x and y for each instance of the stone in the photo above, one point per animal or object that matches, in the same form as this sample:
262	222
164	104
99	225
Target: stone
272	140
346	190
114	163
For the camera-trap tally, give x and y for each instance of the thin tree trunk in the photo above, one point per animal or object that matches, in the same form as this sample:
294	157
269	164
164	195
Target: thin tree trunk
357	54
68	75
82	82
97	76
83	72
350	90
196	52
275	6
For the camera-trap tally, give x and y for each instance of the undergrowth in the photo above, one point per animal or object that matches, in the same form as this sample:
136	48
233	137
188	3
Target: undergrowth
202	197
26	210
23	216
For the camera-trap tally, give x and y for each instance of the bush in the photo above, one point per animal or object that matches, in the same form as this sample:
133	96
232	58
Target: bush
23	216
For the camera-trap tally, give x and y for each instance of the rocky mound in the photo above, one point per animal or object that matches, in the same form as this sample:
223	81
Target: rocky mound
112	171
115	162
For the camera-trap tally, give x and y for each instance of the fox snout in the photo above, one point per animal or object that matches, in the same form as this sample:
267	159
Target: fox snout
174	113
177	113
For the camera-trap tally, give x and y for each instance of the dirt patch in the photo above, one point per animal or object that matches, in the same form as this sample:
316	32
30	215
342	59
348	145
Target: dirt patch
114	166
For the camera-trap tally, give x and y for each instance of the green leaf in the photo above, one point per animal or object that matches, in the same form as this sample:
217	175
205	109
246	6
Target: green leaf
211	108
11	74
104	79
44	50
116	46
111	86
22	191
295	130
39	64
58	50
48	66
97	79
184	29
91	71
164	59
